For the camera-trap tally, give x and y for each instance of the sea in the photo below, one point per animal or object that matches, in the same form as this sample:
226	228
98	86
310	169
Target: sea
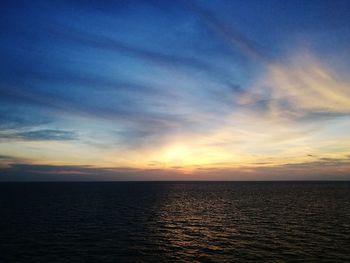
175	222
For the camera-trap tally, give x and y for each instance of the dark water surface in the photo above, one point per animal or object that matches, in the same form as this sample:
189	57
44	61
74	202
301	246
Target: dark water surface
164	222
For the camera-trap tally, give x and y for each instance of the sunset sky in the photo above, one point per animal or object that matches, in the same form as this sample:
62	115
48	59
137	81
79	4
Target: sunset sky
175	90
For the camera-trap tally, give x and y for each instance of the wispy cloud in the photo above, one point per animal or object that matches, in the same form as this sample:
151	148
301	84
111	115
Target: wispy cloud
232	36
303	87
184	64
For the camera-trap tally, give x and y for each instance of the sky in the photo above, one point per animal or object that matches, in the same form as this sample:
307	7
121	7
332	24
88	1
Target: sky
174	90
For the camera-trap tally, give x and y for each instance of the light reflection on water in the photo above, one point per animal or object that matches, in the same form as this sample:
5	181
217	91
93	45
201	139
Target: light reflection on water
137	222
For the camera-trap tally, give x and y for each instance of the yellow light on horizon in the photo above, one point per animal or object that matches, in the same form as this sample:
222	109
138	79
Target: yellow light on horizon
177	154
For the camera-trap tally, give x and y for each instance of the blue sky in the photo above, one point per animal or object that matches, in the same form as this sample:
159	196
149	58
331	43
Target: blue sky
170	89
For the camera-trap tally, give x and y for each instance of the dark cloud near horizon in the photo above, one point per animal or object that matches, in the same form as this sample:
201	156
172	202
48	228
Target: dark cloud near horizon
12	159
32	172
321	169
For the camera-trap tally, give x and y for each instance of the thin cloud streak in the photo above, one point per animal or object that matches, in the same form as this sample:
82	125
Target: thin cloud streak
230	34
183	64
39	135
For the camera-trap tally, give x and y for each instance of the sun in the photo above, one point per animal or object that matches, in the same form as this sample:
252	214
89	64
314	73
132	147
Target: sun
178	154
